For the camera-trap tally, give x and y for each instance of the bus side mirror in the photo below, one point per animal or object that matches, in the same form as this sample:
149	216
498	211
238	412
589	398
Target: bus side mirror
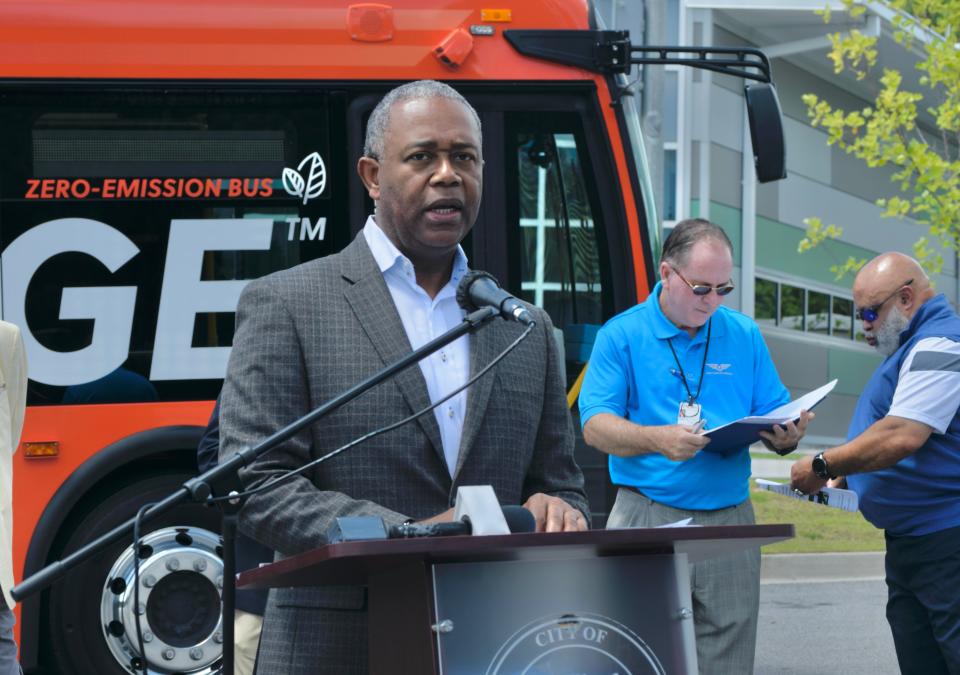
766	131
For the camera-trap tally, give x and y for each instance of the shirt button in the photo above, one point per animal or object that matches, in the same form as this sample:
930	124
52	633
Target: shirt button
450	412
443	356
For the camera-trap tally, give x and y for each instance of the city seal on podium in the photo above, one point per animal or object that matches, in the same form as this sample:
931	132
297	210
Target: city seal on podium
575	644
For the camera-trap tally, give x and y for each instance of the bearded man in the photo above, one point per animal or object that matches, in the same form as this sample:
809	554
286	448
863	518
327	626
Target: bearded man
902	457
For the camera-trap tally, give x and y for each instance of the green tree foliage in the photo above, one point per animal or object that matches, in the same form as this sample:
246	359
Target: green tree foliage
926	177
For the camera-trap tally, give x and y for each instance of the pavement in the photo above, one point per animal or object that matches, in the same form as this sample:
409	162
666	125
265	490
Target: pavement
782	568
799	624
779	568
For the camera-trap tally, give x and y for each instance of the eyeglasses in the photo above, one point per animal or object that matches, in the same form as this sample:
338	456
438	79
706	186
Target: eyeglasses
704	289
871	313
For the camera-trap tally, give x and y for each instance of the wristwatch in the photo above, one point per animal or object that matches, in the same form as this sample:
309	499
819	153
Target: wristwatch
820	467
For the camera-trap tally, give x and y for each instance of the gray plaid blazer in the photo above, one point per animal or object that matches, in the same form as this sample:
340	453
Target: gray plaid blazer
306	334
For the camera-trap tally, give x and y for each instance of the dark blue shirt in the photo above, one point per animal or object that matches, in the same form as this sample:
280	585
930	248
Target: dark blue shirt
920	494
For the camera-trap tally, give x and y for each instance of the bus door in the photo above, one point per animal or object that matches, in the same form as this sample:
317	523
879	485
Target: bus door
131	216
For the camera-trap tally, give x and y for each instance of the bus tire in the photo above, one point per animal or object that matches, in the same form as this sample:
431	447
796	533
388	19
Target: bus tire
81	640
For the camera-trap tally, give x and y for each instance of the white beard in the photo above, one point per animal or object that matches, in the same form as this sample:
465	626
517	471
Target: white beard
888	335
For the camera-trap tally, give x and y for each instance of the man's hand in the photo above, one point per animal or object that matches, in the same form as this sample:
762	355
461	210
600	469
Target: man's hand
784	439
445	517
803	479
554	515
678	442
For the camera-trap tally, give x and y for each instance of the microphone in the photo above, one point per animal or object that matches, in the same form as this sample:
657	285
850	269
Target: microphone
479	289
518	520
417	530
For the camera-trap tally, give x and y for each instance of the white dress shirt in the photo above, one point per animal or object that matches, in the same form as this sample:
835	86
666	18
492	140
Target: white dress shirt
425	318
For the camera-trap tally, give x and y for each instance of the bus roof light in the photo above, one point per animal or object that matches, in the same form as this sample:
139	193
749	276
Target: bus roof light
370	22
41	450
496	15
454	48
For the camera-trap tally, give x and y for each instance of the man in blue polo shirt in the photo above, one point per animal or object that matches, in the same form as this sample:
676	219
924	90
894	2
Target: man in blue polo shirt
902	457
659	373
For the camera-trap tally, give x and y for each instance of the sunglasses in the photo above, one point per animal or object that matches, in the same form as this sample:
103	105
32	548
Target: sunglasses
704	289
871	313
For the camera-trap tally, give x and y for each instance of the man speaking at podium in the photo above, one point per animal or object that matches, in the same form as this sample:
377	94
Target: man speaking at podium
307	334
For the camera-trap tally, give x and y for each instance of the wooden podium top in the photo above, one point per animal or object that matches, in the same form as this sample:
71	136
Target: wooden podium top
352	563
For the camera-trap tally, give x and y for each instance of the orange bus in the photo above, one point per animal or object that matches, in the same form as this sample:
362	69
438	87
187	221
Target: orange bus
158	155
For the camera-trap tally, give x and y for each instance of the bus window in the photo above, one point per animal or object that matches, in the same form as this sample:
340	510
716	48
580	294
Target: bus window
131	219
559	262
558	256
561	256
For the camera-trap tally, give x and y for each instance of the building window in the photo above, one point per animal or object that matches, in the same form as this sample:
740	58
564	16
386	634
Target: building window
841	322
792	307
765	304
818	312
803	309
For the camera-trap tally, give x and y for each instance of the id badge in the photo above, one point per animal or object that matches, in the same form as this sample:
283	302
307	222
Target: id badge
689	414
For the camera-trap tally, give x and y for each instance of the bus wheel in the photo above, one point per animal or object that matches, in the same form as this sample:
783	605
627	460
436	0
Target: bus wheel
92	616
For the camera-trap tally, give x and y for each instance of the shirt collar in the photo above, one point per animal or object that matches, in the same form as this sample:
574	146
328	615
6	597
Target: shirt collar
388	256
932	307
665	329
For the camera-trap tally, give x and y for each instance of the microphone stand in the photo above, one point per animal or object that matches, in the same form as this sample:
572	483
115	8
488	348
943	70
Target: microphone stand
224	479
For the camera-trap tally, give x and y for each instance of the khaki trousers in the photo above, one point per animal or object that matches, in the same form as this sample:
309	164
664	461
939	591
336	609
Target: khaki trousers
726	589
246	629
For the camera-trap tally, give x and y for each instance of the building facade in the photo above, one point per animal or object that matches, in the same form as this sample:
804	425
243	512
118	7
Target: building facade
698	144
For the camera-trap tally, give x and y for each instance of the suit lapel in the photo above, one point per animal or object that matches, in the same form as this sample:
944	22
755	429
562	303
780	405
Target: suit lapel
372	304
485	345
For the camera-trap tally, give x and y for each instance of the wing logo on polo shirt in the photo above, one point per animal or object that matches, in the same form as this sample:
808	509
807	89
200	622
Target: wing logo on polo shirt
718	369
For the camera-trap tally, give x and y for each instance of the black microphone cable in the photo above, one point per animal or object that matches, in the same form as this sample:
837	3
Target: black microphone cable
382	430
136	587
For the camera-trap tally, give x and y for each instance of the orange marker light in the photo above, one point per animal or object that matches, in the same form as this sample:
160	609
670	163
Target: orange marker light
454	48
498	15
370	22
42	450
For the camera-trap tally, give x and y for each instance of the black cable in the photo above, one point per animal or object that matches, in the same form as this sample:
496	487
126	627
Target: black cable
136	584
703	366
390	427
564	220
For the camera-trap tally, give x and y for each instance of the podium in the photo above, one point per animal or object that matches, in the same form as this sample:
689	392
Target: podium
602	601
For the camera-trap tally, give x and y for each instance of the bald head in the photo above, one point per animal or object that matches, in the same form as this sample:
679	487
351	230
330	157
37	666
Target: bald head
888	291
885	274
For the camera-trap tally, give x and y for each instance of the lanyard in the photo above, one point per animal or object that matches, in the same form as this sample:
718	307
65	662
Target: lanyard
683	376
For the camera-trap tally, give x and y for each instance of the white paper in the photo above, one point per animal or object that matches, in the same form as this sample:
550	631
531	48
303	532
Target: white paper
788	411
686	522
791	411
836	498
